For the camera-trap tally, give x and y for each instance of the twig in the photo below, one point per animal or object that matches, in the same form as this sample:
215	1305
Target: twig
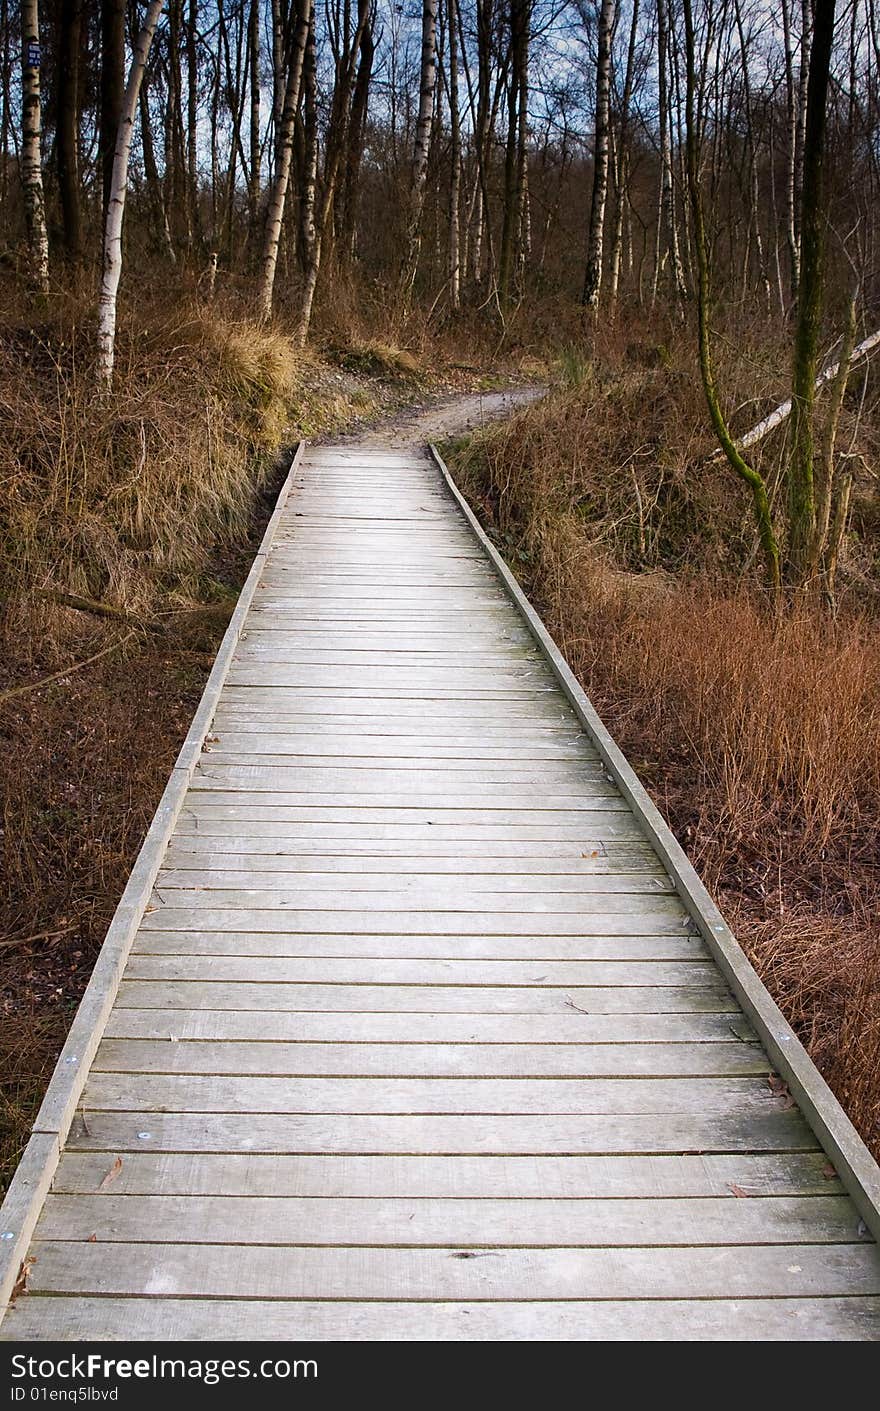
68	671
9	941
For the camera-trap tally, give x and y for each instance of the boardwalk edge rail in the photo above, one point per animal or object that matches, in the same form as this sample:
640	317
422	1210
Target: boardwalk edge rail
855	1165
33	1177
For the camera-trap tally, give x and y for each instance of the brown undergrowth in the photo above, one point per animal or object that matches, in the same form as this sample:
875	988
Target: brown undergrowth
758	738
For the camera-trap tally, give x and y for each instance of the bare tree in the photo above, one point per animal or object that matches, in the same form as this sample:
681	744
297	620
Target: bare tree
752	477
802	540
284	152
593	273
621	175
112	88
112	263
31	162
455	160
427	83
67	133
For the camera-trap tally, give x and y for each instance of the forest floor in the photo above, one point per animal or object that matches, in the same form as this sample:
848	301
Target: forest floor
84	760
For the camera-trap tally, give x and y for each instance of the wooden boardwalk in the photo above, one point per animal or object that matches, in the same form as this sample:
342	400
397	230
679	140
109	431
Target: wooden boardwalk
416	1037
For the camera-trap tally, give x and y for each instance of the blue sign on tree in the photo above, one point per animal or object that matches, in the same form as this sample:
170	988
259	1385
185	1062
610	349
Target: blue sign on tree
33	56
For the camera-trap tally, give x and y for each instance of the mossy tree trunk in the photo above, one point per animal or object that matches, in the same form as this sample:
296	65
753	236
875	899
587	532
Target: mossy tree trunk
752	478
800	561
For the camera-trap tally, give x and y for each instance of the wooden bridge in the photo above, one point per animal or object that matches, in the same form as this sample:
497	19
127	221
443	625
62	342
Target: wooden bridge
414	1021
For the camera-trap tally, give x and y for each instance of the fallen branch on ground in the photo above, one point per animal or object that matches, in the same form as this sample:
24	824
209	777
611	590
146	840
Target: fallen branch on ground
783	411
68	671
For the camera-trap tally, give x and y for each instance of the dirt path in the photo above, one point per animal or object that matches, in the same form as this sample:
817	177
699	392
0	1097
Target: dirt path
452	416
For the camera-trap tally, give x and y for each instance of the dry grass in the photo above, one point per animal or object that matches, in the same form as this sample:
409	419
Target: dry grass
123	500
760	739
375	358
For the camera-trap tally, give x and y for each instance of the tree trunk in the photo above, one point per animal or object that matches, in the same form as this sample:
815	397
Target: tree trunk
825	497
667	233
622	166
794	253
112	85
30	161
455	160
310	234
112	269
755	481
801	478
254	83
419	171
355	148
67	137
284	152
319	212
593	274
151	171
192	101
516	157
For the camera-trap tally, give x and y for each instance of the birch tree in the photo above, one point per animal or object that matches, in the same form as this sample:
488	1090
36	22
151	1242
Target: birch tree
621	174
593	273
112	262
30	161
667	222
419	171
284	152
316	217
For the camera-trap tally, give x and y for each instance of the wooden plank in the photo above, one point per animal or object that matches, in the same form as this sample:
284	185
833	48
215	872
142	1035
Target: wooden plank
569	1026
424	1060
832	1319
438	821
562	778
359	970
222	1093
522	948
233	745
425	680
764	1130
546	1178
205	864
469	892
427	999
642	921
500	711
294	1221
388	639
538	893
194	1271
336	851
276	652
387	751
